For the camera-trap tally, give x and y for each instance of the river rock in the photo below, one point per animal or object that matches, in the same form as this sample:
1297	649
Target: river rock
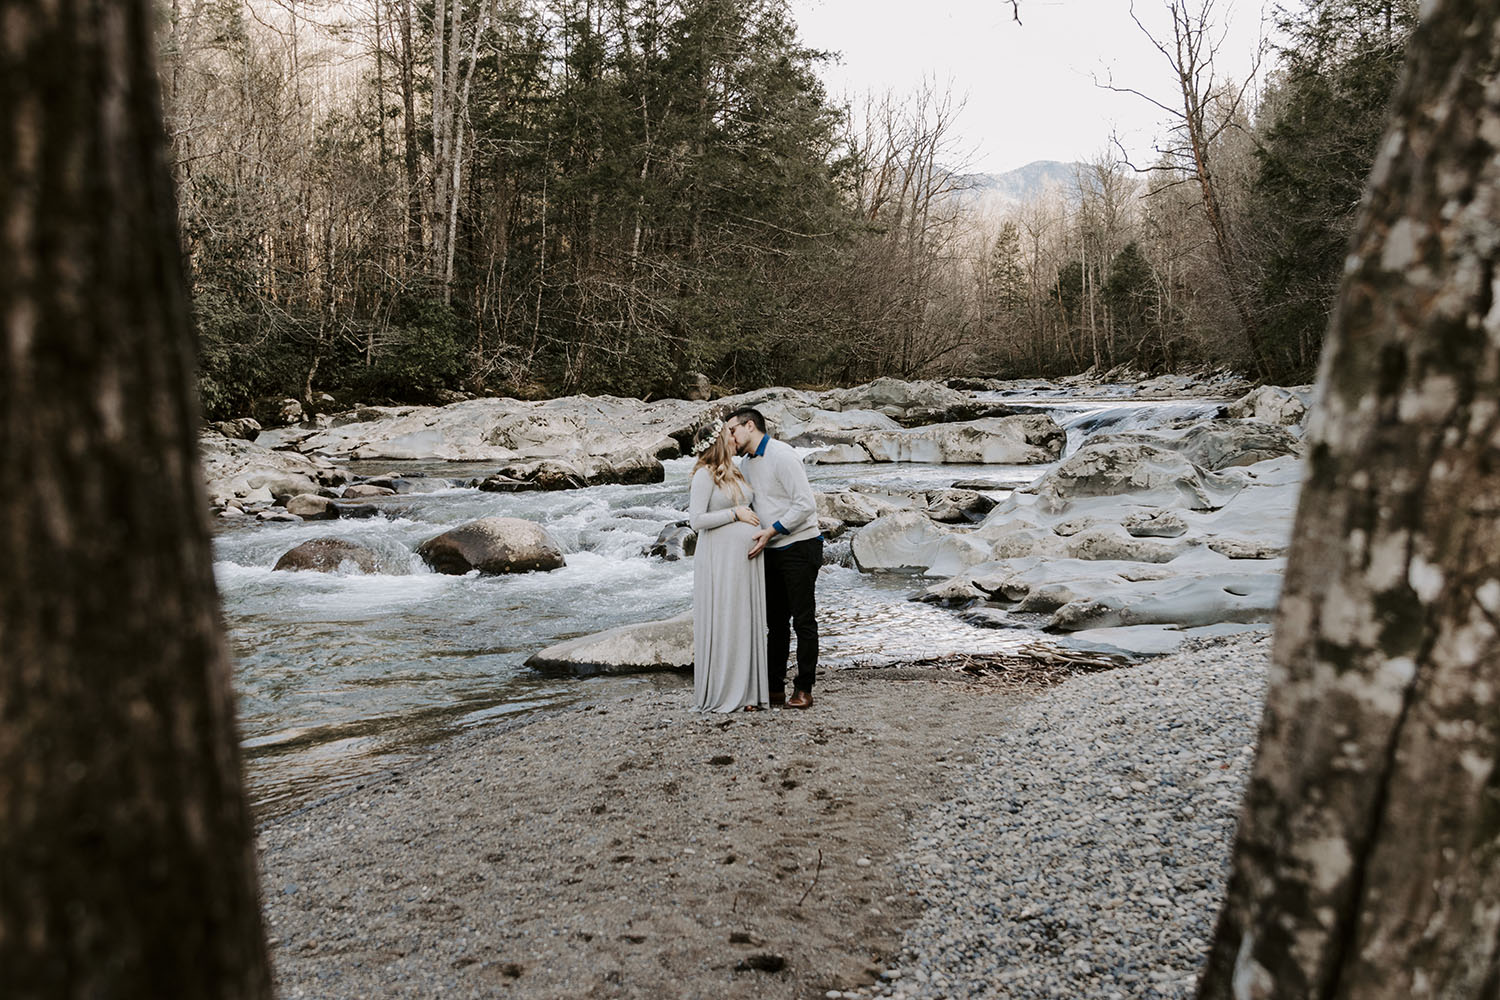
628	467
1155	524
1112	468
237	468
1217	444
1270	404
547	475
1114	543
493	545
840	454
697	387
895	398
359	491
651	646
328	555
909	541
1028	439
955	506
243	428
1190	600
856	508
311	507
674	542
817	427
276	411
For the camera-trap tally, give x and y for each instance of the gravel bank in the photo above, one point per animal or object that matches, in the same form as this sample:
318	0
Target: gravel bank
916	834
1088	852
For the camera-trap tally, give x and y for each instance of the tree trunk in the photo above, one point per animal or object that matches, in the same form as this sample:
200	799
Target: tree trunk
126	860
1366	862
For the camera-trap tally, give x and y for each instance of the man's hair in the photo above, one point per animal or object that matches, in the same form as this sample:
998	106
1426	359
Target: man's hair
754	416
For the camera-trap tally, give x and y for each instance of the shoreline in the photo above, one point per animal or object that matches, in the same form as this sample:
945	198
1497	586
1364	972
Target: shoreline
624	847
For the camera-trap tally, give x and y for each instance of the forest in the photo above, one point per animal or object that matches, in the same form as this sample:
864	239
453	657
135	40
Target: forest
411	200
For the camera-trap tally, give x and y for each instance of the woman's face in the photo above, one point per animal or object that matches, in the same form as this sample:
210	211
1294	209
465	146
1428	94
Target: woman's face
740	433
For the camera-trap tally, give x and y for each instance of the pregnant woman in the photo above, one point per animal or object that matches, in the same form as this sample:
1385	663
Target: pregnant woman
729	589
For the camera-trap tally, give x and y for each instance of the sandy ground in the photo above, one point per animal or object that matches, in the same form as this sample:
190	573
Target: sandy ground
629	848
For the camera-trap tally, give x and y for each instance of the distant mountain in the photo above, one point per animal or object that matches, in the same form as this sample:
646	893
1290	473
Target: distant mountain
1024	184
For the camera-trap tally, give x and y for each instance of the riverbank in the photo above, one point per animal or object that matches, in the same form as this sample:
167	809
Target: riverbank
632	849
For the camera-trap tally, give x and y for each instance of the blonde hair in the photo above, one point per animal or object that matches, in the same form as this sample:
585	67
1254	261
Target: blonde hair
718	459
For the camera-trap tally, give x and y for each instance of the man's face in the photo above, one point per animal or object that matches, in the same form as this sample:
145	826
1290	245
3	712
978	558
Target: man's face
742	433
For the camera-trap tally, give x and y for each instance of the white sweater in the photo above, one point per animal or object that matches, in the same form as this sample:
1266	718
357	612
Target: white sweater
783	496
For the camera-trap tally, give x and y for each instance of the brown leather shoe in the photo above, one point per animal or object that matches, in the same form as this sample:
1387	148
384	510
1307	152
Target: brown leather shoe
800	699
778	698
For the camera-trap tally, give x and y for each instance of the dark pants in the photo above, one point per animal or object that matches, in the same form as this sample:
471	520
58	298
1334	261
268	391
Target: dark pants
791	603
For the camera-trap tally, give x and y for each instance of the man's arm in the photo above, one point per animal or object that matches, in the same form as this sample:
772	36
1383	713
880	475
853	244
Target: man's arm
802	506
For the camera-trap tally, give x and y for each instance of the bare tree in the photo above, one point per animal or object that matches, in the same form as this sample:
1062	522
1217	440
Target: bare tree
126	862
1366	862
1207	109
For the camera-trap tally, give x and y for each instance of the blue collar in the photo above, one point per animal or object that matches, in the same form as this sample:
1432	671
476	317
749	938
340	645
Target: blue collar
761	450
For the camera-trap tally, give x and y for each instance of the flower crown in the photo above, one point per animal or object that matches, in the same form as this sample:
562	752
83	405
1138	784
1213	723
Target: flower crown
708	442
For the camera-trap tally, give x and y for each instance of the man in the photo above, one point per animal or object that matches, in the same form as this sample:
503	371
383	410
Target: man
793	549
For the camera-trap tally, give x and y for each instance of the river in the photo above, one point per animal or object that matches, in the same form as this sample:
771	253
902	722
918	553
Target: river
341	677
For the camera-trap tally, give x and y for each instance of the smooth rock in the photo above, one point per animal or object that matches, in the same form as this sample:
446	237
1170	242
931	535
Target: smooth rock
329	555
311	507
674	542
652	646
493	545
1027	439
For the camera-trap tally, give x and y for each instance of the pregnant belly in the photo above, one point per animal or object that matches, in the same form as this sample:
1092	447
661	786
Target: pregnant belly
737	534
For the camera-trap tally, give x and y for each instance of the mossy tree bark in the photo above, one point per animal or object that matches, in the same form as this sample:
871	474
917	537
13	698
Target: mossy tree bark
1366	859
126	859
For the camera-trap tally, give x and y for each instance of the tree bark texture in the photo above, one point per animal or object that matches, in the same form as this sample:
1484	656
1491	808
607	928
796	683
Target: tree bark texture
126	859
1366	859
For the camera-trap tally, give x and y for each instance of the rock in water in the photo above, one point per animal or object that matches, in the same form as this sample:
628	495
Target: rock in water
493	545
328	555
1023	440
661	645
676	541
311	507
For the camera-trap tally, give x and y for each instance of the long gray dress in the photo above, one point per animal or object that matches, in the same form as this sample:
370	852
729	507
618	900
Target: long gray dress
729	603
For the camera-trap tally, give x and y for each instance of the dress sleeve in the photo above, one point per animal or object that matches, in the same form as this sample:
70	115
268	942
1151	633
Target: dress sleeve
699	516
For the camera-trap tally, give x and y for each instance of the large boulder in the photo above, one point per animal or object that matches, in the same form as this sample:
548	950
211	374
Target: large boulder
1189	601
1028	439
493	545
276	411
856	508
652	646
674	542
238	468
840	454
895	397
1269	404
1217	444
243	428
953	506
329	555
818	427
909	541
312	507
1112	468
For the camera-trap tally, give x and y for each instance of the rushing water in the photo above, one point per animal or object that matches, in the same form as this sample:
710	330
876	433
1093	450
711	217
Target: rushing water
344	675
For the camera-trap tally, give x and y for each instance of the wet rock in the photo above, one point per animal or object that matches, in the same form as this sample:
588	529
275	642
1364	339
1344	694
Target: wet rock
676	541
547	475
358	491
311	507
1028	439
493	545
329	555
648	647
357	510
628	467
808	427
909	541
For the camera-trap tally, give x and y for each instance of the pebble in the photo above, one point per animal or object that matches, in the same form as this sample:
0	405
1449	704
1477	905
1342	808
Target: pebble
1088	853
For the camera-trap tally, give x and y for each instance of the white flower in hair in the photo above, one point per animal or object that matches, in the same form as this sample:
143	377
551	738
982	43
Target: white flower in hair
708	442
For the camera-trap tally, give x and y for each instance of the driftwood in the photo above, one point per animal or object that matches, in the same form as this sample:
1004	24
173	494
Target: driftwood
1033	665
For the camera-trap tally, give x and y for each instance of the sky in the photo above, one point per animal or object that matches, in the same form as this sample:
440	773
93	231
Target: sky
1030	87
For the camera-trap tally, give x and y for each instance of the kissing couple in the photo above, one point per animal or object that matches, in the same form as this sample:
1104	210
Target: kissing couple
755	570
